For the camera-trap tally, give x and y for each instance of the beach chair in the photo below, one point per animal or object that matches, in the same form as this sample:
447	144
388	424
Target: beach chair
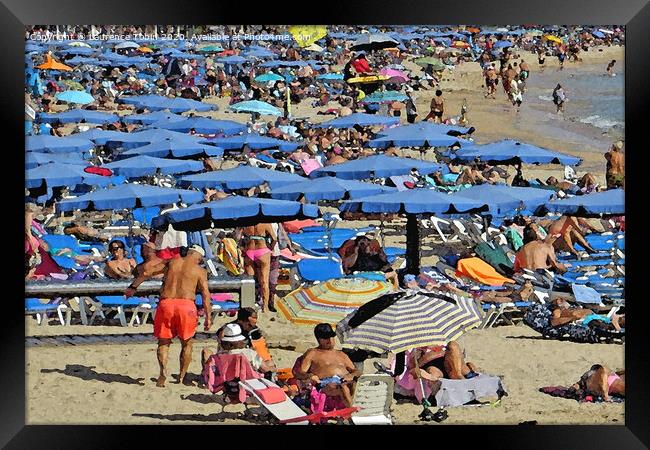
275	401
221	303
34	307
145	215
104	304
315	270
373	395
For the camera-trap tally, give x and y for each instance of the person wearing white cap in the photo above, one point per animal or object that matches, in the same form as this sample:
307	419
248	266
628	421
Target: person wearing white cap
176	315
232	342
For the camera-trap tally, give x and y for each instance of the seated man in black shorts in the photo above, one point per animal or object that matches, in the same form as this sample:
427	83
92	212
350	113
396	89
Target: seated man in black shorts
366	255
442	362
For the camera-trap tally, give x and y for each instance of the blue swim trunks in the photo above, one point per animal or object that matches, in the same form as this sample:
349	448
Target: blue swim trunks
329	380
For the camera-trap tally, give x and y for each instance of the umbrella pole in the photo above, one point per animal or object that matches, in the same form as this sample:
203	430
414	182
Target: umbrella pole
412	244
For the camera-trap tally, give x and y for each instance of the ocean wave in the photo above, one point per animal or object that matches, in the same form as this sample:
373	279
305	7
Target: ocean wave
601	123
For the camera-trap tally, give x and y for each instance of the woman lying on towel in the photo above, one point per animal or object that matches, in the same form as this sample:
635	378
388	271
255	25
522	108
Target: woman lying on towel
563	313
435	362
600	381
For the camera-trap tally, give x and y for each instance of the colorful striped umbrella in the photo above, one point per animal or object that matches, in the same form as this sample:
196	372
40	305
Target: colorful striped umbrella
330	301
414	320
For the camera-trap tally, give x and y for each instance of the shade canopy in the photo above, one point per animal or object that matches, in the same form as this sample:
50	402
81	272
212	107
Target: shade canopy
54	144
414	201
379	166
256	106
235	211
203	125
611	202
34	159
79	115
62	174
502	199
508	151
360	119
414	320
254	141
420	134
177	148
241	177
328	188
129	196
141	166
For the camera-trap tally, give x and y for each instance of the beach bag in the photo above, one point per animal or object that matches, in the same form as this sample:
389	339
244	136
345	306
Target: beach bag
230	255
496	257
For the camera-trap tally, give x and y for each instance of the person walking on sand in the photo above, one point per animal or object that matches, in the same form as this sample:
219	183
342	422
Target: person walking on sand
437	107
610	68
541	57
176	315
559	97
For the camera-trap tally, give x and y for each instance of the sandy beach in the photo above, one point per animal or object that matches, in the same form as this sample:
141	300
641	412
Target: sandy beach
113	383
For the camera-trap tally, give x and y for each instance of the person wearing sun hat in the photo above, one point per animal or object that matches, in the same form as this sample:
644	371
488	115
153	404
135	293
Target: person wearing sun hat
233	342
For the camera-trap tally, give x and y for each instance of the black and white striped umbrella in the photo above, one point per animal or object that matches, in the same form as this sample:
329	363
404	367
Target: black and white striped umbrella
416	319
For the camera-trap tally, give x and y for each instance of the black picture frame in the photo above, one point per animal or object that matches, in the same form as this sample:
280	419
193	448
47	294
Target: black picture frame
15	14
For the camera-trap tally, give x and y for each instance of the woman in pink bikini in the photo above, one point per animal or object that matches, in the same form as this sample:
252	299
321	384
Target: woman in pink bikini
257	242
599	381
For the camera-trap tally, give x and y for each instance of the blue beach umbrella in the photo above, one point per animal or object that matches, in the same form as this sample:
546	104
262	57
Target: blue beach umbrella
59	174
329	188
266	77
141	166
230	60
611	202
379	166
80	97
241	177
129	196
360	119
176	105
503	199
235	211
419	134
256	106
152	117
330	77
101	137
35	159
79	115
508	151
254	141
204	125
176	148
385	96
55	144
414	201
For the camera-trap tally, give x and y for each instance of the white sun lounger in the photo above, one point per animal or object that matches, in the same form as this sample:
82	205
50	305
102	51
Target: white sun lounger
373	396
283	410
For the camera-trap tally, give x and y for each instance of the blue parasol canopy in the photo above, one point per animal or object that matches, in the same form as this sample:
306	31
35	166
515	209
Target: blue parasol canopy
611	202
329	188
61	174
34	159
254	141
129	196
502	199
152	117
508	151
203	125
141	166
414	201
177	148
419	135
256	106
241	177
360	119
77	115
55	144
379	166
235	211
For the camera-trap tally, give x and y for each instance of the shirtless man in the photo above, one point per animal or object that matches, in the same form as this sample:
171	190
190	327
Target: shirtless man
491	79
536	254
610	68
563	313
119	266
176	314
615	173
566	230
600	381
437	108
331	371
471	175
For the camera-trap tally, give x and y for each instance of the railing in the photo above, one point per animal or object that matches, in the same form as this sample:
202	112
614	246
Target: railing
245	286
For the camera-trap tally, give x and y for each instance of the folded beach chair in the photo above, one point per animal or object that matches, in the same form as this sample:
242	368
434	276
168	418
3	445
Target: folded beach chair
275	401
34	307
373	395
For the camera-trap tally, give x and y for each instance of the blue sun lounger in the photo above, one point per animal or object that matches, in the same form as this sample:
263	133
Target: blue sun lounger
34	307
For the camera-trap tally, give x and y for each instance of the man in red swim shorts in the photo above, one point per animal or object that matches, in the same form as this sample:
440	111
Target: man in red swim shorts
176	314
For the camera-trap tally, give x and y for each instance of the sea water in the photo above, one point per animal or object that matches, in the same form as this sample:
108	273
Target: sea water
594	98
